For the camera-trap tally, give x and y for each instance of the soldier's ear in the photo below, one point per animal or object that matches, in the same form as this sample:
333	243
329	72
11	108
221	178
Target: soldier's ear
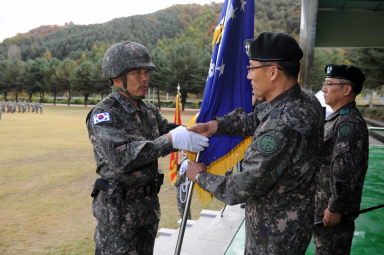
117	81
347	90
274	72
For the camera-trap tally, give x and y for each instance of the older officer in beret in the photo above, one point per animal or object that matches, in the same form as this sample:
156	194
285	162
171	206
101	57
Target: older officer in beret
345	162
277	183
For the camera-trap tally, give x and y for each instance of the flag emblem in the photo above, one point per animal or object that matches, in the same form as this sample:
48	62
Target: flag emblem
101	117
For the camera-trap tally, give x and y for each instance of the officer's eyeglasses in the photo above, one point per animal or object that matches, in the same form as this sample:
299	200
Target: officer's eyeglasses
256	67
325	84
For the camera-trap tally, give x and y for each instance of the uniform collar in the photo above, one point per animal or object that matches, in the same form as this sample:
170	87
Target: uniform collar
344	110
125	102
292	92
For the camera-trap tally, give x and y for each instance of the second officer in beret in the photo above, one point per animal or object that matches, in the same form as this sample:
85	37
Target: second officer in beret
345	162
277	183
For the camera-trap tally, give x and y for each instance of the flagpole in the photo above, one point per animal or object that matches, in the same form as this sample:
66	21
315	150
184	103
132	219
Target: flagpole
185	215
345	216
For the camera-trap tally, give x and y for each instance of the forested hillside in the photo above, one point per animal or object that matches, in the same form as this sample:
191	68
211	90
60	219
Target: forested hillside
72	41
195	21
66	60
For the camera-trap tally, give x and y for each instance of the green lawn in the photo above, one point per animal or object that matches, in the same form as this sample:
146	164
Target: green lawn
46	175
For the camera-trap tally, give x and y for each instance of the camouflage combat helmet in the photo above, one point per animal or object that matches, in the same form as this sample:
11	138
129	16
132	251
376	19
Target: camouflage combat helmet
123	57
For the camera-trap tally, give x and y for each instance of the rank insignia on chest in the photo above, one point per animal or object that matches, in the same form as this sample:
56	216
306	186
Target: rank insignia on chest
268	144
101	117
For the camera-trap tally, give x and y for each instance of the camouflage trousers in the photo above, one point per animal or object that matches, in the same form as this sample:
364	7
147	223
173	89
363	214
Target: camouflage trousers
334	240
127	241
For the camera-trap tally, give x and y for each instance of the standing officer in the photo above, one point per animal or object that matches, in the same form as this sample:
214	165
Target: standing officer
345	162
277	181
128	136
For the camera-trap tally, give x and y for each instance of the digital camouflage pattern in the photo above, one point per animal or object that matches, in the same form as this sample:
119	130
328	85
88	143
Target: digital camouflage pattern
341	176
125	56
277	181
126	147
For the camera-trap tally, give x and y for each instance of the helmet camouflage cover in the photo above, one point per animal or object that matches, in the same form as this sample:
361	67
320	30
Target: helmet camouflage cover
123	57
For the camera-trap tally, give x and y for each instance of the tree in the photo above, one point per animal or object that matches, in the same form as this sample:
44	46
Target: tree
100	83
162	75
47	54
36	76
370	61
190	67
81	79
61	77
22	78
14	52
50	76
17	74
5	66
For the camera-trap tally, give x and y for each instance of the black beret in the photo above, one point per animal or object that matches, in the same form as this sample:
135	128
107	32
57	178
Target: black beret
345	72
272	46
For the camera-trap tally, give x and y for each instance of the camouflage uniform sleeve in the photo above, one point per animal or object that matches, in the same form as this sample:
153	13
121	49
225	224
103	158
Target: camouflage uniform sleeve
237	122
266	159
122	151
345	170
164	125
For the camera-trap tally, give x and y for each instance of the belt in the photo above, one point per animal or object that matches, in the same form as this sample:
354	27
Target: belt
141	191
109	187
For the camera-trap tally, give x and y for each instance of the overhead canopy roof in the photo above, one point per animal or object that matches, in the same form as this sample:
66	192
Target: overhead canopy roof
350	23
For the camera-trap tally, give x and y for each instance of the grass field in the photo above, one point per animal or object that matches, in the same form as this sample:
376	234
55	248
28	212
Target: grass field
46	175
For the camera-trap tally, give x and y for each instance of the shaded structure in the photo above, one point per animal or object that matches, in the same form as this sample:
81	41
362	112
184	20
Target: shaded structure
339	23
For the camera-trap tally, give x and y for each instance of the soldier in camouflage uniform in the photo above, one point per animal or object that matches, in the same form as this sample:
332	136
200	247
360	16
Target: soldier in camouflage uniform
279	166
128	136
345	162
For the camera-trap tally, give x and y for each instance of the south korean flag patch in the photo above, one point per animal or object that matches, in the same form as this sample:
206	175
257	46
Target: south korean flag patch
101	117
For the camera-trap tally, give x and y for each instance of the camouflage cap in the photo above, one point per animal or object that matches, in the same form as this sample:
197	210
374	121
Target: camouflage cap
123	57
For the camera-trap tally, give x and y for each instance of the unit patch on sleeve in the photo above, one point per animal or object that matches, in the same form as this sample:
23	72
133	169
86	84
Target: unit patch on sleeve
268	143
101	117
345	129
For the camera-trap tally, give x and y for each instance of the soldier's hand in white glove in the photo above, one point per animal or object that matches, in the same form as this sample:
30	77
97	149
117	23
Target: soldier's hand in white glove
183	139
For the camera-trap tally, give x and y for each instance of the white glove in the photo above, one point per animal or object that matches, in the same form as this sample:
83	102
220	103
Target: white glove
183	139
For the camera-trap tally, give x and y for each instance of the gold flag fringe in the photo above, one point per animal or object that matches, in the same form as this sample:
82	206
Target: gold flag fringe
221	165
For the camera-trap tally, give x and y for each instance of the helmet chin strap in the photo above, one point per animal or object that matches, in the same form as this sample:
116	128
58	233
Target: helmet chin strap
124	90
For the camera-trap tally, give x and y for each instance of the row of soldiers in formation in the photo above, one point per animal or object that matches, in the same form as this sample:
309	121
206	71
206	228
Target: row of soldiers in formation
12	107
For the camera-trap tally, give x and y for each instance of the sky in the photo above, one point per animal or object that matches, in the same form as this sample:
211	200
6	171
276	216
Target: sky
21	16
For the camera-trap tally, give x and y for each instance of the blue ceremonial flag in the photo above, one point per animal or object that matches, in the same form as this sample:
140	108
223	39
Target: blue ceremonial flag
227	86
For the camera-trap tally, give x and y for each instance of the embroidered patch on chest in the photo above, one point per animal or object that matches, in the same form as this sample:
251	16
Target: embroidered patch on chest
268	144
345	129
101	117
